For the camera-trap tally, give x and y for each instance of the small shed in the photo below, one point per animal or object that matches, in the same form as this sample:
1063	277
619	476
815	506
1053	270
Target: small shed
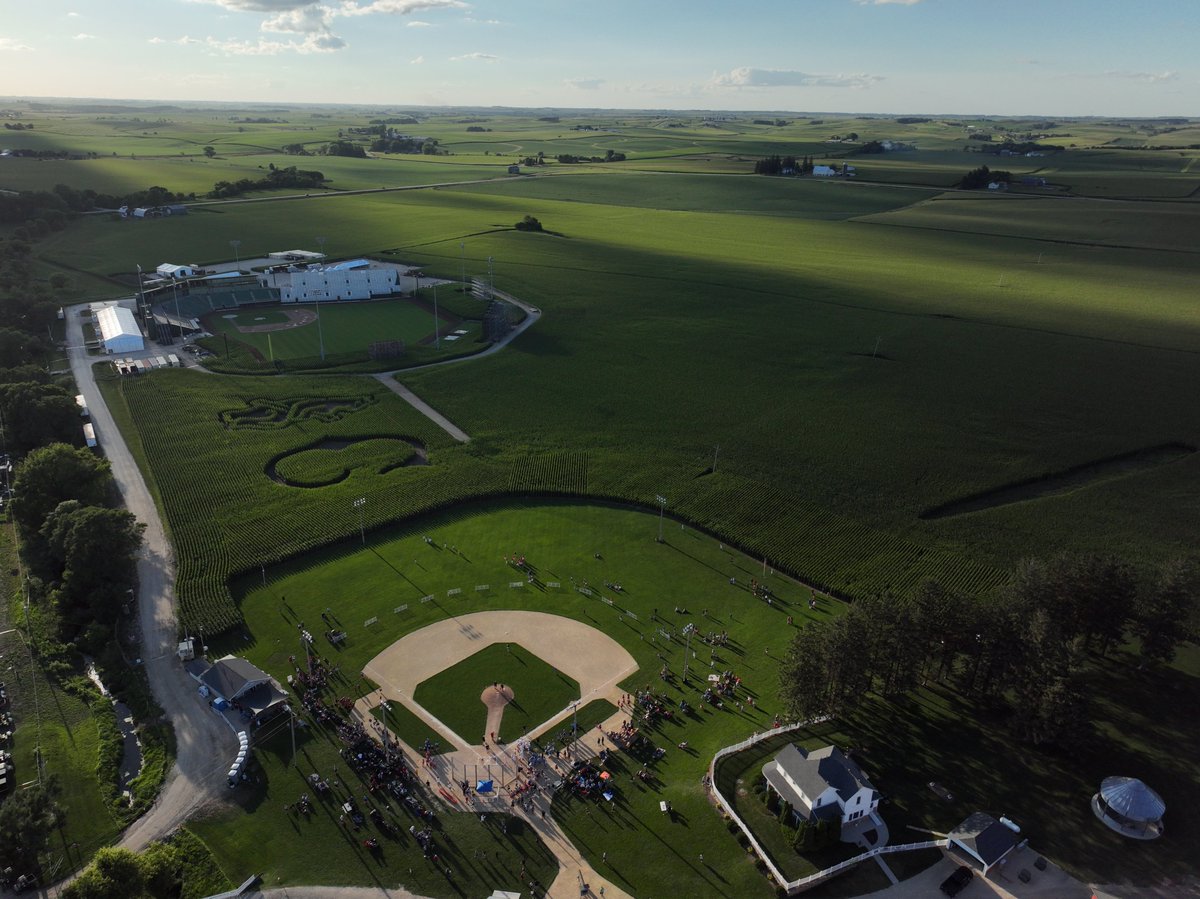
983	839
177	272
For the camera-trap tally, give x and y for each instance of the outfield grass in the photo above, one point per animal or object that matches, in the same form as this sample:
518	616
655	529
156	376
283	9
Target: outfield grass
344	328
540	692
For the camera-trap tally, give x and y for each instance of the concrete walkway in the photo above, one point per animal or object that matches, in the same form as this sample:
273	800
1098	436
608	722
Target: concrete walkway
424	408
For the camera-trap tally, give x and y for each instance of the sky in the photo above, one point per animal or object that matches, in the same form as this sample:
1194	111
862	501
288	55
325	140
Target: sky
1020	57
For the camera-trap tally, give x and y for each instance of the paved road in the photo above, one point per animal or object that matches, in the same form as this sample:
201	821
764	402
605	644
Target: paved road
205	746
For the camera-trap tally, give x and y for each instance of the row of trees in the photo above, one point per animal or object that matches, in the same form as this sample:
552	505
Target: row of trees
1026	645
609	156
290	176
783	165
411	145
982	177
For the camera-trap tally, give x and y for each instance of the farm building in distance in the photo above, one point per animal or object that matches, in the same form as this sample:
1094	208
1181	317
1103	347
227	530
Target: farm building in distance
119	330
177	272
353	280
296	256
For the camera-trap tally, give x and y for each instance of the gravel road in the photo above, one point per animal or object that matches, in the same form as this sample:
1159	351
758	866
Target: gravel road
205	746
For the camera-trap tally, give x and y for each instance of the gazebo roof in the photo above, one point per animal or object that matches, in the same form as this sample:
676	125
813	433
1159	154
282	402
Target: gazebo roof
1132	799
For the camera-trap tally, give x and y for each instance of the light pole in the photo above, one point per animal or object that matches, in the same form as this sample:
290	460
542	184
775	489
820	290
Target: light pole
321	244
437	322
462	246
491	281
575	731
687	650
662	505
358	504
384	706
236	255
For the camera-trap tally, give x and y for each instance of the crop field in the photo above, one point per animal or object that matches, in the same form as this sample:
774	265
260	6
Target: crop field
803	370
344	328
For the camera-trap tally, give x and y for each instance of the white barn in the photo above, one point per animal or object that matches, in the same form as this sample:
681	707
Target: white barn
119	330
327	283
821	784
176	272
823	171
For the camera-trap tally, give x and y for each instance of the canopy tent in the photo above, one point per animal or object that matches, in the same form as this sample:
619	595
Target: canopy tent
483	786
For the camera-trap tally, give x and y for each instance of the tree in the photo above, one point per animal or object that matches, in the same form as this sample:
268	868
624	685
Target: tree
210	152
94	550
115	873
51	474
803	677
1166	611
27	819
37	414
529	223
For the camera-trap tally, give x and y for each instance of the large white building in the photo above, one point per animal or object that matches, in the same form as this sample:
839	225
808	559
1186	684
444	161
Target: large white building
328	283
119	331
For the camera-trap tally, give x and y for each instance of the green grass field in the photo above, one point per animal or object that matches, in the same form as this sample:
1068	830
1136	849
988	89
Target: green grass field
344	328
539	692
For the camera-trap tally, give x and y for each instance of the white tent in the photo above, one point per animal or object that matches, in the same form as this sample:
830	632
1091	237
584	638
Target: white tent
119	330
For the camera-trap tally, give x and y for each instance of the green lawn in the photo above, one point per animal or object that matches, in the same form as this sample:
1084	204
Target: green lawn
540	692
411	729
344	328
251	833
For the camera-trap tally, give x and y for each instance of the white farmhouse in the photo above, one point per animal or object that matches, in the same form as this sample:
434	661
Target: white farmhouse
823	171
821	785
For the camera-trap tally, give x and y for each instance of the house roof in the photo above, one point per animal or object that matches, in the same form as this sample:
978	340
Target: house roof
230	677
983	837
1132	799
820	769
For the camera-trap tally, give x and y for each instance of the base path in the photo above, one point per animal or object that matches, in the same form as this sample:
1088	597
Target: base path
205	746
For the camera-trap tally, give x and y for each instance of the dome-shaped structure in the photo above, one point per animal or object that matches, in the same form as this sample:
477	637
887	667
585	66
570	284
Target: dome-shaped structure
1129	807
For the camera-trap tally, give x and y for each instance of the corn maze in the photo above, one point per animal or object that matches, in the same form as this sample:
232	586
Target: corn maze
228	456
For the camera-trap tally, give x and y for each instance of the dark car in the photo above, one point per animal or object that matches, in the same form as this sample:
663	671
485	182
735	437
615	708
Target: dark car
953	884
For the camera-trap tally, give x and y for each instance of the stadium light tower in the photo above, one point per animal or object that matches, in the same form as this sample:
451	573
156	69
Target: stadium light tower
321	244
237	258
662	505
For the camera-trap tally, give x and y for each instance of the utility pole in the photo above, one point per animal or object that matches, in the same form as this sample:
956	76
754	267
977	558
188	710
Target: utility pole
362	530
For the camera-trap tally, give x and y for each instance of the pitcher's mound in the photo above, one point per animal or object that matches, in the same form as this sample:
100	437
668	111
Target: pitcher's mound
496	698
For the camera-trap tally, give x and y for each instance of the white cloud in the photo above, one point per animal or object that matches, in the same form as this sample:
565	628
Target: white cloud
397	7
481	57
72	15
84	36
416	60
584	84
13	45
1148	77
306	20
474	21
417	23
747	76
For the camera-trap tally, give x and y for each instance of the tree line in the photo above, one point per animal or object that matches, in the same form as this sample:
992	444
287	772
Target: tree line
783	165
1025	646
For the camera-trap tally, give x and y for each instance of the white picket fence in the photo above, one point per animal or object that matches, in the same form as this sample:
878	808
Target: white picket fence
796	886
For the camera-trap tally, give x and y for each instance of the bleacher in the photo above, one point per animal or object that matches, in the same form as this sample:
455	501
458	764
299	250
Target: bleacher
199	303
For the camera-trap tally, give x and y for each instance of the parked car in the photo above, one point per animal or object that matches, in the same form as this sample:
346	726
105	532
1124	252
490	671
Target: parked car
953	884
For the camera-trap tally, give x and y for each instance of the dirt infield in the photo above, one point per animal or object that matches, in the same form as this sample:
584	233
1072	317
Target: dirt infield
589	656
296	318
